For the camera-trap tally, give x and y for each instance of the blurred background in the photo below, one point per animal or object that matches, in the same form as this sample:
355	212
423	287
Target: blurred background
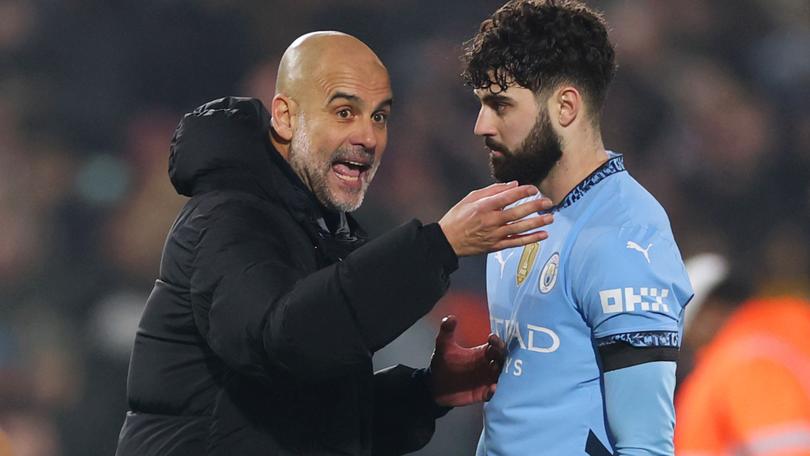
710	107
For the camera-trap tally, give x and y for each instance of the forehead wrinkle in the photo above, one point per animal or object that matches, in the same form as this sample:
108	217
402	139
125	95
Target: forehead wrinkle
353	85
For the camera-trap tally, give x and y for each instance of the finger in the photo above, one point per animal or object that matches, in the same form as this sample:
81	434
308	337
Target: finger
490	190
490	392
498	342
495	360
525	225
446	330
497	348
527	208
493	353
505	198
518	240
499	345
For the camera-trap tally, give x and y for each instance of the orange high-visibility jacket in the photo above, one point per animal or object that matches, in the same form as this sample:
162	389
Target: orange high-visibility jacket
749	393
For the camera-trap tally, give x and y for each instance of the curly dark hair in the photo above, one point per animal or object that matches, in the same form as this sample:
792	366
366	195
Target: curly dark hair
539	44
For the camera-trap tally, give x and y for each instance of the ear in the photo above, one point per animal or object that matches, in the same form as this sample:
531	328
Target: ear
282	111
568	102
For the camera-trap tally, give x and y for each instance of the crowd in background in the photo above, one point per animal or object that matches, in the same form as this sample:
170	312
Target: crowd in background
709	107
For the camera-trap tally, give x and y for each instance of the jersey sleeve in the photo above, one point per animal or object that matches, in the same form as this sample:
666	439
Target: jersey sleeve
630	285
648	426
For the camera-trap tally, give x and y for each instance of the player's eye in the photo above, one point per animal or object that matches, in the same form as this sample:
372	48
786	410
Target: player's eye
345	113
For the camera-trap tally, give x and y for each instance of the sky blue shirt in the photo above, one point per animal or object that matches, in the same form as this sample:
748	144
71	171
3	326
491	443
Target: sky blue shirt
610	272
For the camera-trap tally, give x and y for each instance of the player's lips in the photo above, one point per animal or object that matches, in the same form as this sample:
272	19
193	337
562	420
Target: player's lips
496	149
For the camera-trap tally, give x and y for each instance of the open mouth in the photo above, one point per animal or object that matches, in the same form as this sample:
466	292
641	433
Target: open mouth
348	170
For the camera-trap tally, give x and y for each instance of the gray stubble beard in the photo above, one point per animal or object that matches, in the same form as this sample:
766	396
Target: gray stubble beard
314	174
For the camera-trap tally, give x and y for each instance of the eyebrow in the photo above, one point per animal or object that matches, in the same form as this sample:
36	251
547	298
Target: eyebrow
385	104
493	98
347	96
355	99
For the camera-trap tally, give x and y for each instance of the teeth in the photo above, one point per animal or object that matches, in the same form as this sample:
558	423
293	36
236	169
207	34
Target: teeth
347	178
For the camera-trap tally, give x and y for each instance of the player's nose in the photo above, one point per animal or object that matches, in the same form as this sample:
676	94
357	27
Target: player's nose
484	124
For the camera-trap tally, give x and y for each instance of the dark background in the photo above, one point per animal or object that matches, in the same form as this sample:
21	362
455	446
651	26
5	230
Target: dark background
709	107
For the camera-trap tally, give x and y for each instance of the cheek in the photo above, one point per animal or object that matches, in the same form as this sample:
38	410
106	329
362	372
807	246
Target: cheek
325	142
516	130
382	142
323	134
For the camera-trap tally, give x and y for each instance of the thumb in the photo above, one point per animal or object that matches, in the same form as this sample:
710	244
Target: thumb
447	330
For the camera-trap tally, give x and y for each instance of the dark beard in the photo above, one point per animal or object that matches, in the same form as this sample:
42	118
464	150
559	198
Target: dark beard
533	160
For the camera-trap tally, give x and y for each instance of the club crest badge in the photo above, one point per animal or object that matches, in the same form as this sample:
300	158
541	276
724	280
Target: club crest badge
526	262
548	276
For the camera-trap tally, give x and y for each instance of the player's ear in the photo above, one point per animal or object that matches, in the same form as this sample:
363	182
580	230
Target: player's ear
569	104
282	112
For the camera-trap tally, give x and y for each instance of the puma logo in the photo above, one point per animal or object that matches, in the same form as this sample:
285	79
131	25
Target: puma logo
646	252
499	257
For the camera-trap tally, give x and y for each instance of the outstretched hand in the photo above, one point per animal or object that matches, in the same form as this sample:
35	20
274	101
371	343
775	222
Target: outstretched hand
462	376
479	223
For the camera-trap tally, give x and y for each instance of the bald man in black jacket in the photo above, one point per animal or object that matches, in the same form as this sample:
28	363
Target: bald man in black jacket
258	336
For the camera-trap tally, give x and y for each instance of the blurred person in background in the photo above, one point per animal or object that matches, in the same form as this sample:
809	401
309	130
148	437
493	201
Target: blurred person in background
592	317
715	300
749	390
259	333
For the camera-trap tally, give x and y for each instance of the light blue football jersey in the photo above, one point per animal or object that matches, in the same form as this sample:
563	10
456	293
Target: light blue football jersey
609	270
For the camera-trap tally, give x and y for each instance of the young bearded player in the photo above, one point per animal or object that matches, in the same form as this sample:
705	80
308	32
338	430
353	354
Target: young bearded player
592	315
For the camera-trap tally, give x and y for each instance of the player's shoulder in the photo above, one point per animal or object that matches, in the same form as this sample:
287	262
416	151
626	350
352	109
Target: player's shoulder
627	216
629	203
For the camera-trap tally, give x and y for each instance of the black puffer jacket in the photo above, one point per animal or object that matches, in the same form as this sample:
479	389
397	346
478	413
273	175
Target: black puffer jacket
258	335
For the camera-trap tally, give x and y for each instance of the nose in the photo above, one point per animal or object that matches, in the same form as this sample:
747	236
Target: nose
365	135
484	125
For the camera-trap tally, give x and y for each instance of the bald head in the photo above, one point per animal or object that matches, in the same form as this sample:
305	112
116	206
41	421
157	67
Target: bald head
309	59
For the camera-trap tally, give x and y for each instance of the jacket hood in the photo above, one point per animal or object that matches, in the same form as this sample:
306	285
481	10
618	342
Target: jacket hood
222	141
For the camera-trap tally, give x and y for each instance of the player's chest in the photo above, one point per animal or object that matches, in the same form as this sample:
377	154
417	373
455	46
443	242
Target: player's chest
530	276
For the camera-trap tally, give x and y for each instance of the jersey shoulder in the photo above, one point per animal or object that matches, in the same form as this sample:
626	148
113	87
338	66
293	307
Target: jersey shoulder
626	262
626	202
626	215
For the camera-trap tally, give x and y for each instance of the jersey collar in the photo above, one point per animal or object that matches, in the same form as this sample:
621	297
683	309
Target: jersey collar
614	164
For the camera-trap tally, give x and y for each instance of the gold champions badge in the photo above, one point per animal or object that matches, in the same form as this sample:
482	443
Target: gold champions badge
526	262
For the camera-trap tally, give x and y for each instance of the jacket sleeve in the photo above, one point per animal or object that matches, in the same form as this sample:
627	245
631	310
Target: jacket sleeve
260	311
404	411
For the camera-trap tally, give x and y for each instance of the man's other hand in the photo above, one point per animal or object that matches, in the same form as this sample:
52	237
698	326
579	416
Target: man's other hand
480	224
462	376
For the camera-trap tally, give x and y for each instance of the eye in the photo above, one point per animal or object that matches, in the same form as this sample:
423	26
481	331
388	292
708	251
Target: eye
500	108
380	117
345	113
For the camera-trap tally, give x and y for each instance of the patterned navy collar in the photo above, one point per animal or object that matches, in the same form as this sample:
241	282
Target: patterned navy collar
615	164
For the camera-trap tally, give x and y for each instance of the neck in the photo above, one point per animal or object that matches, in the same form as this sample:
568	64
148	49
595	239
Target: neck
579	159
